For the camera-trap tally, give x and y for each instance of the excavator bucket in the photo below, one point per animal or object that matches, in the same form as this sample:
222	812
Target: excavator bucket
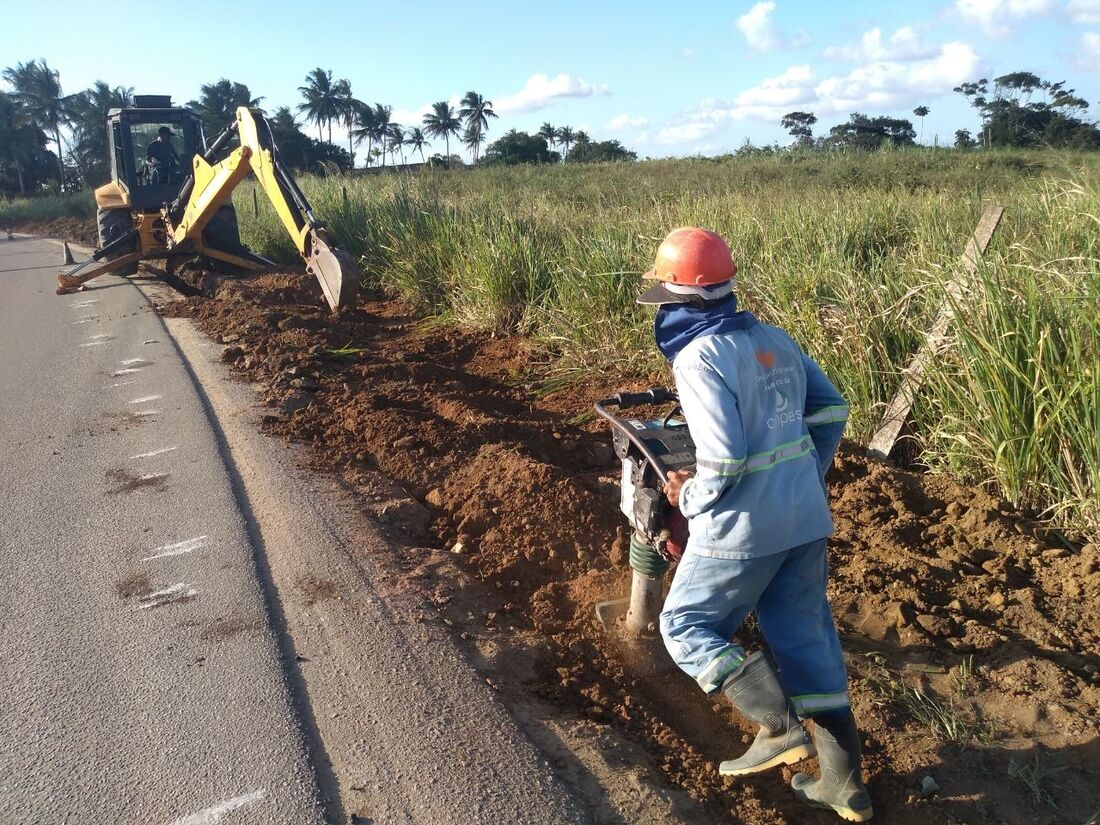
336	271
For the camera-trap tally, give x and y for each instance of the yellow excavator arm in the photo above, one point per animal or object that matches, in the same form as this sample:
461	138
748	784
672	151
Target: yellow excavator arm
213	184
210	187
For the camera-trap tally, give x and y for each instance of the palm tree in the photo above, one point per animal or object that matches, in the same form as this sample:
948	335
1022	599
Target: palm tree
442	122
382	126
417	141
549	133
365	128
218	102
921	112
567	137
471	138
36	88
476	111
321	100
581	137
347	107
20	141
86	113
395	138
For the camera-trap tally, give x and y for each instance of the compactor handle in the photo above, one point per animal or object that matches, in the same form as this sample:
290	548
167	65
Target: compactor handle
654	395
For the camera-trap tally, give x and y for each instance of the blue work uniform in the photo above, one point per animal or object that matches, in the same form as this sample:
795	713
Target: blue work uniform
766	423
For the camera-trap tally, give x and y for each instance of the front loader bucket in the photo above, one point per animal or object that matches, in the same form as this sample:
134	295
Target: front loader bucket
335	270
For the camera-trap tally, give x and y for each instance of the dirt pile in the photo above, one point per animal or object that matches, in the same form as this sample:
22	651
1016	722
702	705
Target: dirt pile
74	230
973	642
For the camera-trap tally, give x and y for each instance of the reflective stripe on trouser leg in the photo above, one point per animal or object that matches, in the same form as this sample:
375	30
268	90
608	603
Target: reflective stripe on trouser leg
812	703
796	620
710	679
707	602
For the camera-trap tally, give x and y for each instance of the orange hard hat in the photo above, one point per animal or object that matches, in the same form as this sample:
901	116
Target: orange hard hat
690	256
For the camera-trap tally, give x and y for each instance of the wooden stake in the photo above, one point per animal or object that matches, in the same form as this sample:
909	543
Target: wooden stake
897	412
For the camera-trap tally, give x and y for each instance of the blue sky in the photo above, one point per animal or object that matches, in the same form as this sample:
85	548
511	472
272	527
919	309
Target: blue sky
666	79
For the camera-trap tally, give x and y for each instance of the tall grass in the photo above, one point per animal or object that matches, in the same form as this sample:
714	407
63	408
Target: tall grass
852	254
73	205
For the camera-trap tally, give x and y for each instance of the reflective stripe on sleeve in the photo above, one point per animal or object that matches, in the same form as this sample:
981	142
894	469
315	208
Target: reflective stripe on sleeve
721	466
828	415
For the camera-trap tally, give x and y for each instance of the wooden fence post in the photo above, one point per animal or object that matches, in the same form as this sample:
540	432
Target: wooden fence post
897	412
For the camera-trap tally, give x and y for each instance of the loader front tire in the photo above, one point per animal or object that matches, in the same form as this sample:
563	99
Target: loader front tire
113	223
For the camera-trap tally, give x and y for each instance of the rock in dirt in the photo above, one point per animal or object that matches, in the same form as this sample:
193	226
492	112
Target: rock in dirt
295	402
231	354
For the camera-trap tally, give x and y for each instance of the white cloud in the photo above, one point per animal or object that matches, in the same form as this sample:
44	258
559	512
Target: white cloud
1090	52
627	122
415	117
872	87
541	90
685	132
994	16
761	34
410	117
1084	11
902	46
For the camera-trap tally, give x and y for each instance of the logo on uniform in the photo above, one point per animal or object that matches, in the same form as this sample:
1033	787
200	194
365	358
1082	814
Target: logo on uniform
766	358
783	413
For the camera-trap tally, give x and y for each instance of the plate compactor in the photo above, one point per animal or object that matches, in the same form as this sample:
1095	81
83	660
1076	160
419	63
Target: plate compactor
649	450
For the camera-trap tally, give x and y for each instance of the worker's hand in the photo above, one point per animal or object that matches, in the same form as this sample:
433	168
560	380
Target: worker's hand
676	479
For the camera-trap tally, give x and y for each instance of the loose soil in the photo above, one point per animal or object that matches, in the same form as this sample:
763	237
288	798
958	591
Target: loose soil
972	638
74	230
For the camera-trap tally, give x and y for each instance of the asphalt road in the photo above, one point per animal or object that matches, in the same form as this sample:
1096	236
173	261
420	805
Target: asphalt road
140	677
164	656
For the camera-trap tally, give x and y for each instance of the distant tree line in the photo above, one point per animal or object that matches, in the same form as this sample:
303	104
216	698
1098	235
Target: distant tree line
1018	110
50	140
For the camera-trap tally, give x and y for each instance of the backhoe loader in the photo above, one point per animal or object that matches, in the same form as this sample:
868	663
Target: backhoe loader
164	204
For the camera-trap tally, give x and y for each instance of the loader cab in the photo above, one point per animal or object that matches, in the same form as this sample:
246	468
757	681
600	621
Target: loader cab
150	177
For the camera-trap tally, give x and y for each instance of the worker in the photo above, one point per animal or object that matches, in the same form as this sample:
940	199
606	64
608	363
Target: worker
766	422
162	158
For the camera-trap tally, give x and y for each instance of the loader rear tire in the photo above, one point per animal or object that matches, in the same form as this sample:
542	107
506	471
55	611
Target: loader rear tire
113	223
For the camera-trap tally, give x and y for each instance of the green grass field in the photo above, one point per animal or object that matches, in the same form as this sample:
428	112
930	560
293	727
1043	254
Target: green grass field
850	253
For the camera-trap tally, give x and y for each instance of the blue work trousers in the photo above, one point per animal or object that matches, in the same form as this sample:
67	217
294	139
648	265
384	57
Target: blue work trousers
710	598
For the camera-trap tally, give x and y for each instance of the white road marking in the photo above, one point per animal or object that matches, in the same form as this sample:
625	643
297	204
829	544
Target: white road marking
84	304
213	815
119	384
177	549
145	398
86	320
151	476
126	371
92	343
168	595
145	412
131	361
98	335
152	453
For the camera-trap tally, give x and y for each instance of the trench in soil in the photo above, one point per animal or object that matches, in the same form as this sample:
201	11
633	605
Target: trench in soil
511	532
